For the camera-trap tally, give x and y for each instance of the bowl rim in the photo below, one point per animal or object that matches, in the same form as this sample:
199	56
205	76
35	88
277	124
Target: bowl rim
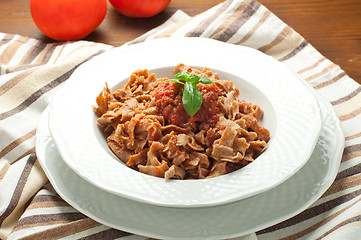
271	113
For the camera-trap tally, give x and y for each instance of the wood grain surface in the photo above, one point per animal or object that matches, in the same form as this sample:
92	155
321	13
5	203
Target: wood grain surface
333	27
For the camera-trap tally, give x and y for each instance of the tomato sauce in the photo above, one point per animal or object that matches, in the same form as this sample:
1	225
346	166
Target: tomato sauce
168	98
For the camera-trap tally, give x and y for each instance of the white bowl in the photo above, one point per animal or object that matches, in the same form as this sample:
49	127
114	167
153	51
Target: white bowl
291	114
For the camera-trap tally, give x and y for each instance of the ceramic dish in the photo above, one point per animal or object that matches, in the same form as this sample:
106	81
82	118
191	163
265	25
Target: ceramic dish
291	114
218	222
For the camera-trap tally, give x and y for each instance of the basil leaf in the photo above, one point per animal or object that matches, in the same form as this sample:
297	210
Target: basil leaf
192	98
205	80
182	76
194	78
173	80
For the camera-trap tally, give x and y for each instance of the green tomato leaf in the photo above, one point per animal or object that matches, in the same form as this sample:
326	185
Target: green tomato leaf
192	98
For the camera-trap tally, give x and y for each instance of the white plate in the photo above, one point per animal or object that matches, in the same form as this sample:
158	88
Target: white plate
218	222
291	114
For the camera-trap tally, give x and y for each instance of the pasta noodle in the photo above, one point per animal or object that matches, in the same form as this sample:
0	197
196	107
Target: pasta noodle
149	130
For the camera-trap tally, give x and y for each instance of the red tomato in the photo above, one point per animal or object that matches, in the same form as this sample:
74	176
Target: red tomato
139	8
64	20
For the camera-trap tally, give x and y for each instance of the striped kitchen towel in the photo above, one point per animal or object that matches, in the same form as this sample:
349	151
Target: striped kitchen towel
31	72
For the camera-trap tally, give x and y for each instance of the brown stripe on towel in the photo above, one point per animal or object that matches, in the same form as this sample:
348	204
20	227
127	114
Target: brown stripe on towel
315	211
299	48
351	149
49	204
15	80
350	115
17	142
343	183
313	66
11	49
46	198
49	219
333	80
347	97
28	152
43	58
351	155
233	23
33	52
46	54
107	234
323	72
169	31
353	136
78	48
4	169
350	220
283	34
200	28
65	230
354	170
18	189
254	28
59	53
7	38
319	224
37	94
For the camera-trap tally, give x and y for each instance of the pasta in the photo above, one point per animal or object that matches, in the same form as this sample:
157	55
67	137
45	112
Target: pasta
150	131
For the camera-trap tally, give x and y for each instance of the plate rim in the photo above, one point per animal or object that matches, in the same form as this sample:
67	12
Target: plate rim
155	200
329	178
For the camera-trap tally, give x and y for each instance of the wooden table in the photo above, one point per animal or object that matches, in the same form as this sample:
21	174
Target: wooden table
331	26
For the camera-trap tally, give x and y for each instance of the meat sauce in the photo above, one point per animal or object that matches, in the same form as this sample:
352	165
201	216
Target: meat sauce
169	102
168	142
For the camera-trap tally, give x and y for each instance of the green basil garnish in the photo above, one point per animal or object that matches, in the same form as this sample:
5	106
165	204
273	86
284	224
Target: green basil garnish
192	97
